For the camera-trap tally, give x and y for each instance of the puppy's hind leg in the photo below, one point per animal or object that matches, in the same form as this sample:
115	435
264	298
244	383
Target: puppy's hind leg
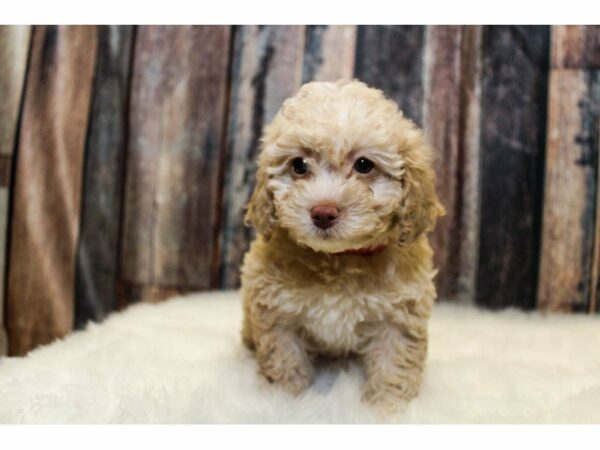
283	360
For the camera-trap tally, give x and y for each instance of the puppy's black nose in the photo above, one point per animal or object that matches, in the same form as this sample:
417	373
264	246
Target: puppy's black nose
324	216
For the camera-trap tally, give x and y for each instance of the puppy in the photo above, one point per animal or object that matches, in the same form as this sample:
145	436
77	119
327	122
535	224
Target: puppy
341	264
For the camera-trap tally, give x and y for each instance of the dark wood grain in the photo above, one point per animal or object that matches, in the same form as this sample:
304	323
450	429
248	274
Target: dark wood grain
329	52
47	188
266	69
514	97
175	146
391	59
14	49
98	251
571	175
576	47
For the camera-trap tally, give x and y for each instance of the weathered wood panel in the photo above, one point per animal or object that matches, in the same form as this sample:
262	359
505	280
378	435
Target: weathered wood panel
14	49
576	46
98	251
266	69
329	53
47	189
570	192
391	59
514	92
178	96
450	122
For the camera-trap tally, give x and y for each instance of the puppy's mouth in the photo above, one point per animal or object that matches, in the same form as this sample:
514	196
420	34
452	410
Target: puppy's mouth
327	234
331	240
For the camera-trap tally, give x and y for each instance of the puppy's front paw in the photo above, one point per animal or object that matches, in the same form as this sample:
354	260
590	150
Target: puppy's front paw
283	360
387	400
294	376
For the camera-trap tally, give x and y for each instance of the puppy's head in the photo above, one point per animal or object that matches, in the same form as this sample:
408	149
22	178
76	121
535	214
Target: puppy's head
340	168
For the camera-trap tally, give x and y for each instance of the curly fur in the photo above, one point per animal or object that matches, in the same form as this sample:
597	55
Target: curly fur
303	296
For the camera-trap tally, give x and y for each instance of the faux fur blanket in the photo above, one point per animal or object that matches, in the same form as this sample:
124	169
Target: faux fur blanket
182	361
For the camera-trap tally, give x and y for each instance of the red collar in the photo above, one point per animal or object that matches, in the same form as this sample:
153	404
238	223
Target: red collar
365	251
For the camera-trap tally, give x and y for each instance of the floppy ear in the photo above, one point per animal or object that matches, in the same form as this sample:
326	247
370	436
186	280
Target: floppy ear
420	205
260	212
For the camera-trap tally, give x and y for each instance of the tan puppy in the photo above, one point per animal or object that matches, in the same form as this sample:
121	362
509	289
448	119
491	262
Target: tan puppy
341	265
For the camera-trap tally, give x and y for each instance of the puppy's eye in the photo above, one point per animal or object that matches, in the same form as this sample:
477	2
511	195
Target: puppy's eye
363	165
299	166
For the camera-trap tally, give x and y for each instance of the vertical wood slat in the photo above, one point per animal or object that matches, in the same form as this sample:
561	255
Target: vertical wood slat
177	108
441	124
390	58
329	52
267	68
97	253
470	198
14	49
451	124
46	199
570	191
513	109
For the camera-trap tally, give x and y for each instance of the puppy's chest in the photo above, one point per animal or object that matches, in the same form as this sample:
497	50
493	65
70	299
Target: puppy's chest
332	320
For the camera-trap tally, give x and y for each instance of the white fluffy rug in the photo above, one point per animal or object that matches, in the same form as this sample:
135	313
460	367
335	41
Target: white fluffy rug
182	361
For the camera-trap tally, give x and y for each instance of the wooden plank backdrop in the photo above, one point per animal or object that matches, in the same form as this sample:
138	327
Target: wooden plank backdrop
135	157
